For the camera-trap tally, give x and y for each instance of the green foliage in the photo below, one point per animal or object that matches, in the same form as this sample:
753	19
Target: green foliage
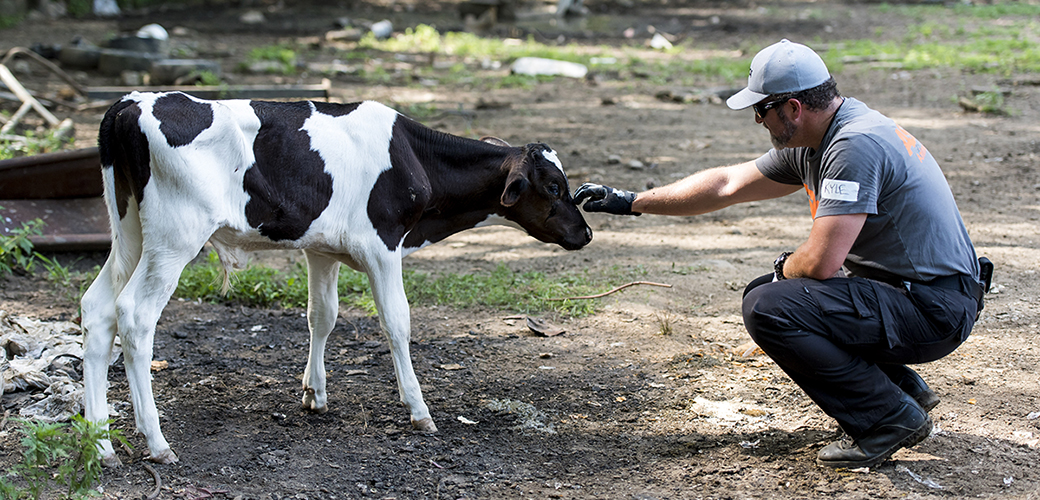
16	250
259	286
209	78
503	288
7	21
60	455
991	102
283	55
33	145
80	8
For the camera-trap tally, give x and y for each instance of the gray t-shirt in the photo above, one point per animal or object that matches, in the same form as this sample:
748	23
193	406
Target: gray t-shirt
868	164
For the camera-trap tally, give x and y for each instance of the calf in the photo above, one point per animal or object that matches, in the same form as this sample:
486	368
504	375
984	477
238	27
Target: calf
357	184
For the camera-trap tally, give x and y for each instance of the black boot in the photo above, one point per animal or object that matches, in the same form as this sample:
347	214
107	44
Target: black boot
911	383
904	427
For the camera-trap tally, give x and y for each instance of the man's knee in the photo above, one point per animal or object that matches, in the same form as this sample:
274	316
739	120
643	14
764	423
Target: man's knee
759	302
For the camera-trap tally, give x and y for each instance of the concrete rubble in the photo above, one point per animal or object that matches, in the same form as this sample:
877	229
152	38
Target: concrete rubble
142	57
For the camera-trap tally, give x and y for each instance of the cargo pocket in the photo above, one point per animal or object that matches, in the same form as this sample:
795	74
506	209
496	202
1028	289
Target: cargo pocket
841	296
848	307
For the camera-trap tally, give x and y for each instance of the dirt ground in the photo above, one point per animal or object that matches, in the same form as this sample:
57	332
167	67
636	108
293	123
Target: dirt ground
647	399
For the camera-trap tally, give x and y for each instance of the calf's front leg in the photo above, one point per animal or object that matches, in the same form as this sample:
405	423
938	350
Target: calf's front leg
322	311
384	275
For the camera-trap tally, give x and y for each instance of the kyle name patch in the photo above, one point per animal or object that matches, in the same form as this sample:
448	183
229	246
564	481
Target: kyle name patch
840	190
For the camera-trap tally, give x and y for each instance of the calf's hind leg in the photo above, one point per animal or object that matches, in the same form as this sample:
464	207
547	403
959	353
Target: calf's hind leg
138	308
99	334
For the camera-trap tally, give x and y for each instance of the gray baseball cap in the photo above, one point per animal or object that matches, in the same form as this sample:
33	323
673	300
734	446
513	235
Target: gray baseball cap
782	67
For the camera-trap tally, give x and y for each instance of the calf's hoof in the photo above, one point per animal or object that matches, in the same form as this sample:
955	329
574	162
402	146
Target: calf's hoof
312	403
111	461
424	425
164	457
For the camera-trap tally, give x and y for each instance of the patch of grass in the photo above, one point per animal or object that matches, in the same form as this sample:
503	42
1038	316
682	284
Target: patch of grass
959	37
991	102
504	289
665	322
418	110
57	455
283	56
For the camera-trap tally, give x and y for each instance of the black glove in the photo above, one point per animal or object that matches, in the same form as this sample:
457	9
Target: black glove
605	199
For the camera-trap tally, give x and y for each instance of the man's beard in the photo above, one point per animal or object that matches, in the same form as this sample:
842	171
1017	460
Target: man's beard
784	137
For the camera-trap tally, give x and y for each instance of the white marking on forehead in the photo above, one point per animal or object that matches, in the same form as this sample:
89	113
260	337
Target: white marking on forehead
551	156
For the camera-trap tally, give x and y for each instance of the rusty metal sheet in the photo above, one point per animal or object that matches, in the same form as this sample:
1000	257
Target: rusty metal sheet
72	224
66	174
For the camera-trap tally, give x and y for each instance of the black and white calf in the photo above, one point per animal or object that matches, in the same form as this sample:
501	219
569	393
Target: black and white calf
357	184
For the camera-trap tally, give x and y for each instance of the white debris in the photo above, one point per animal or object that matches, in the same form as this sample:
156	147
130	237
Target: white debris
534	66
659	42
35	357
106	8
153	30
383	29
925	481
252	17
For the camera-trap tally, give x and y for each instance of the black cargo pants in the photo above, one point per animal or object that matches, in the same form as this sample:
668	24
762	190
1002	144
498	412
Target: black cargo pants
831	336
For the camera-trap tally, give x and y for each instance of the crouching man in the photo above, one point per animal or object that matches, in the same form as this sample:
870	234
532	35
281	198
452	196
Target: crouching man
881	208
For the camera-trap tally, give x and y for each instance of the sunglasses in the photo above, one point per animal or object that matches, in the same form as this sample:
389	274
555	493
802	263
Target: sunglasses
762	108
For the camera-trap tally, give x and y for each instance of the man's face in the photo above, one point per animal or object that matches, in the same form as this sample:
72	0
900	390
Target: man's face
782	129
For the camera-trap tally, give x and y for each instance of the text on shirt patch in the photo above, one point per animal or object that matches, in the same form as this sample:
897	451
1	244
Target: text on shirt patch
833	189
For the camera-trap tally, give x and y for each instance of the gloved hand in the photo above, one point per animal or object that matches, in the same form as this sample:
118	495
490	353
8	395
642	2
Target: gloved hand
605	199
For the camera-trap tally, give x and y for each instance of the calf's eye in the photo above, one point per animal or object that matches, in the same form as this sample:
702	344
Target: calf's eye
554	190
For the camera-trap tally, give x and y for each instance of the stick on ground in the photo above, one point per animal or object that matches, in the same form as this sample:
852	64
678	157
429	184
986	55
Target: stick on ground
622	287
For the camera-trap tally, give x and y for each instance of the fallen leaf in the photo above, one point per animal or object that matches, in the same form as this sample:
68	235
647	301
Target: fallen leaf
158	366
753	412
971	401
543	327
450	366
747	350
467	421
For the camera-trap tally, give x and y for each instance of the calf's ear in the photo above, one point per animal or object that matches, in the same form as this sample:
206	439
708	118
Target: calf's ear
516	183
495	140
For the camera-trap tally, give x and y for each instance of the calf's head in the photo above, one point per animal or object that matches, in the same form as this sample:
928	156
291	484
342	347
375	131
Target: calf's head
537	197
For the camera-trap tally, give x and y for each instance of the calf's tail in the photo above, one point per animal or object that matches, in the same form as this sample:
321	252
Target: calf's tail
125	158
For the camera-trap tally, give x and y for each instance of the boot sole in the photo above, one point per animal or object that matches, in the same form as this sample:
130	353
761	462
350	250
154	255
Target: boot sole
912	440
928	400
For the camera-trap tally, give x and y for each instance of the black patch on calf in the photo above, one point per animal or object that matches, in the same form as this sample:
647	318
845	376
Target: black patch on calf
181	119
335	109
124	147
400	194
288	187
